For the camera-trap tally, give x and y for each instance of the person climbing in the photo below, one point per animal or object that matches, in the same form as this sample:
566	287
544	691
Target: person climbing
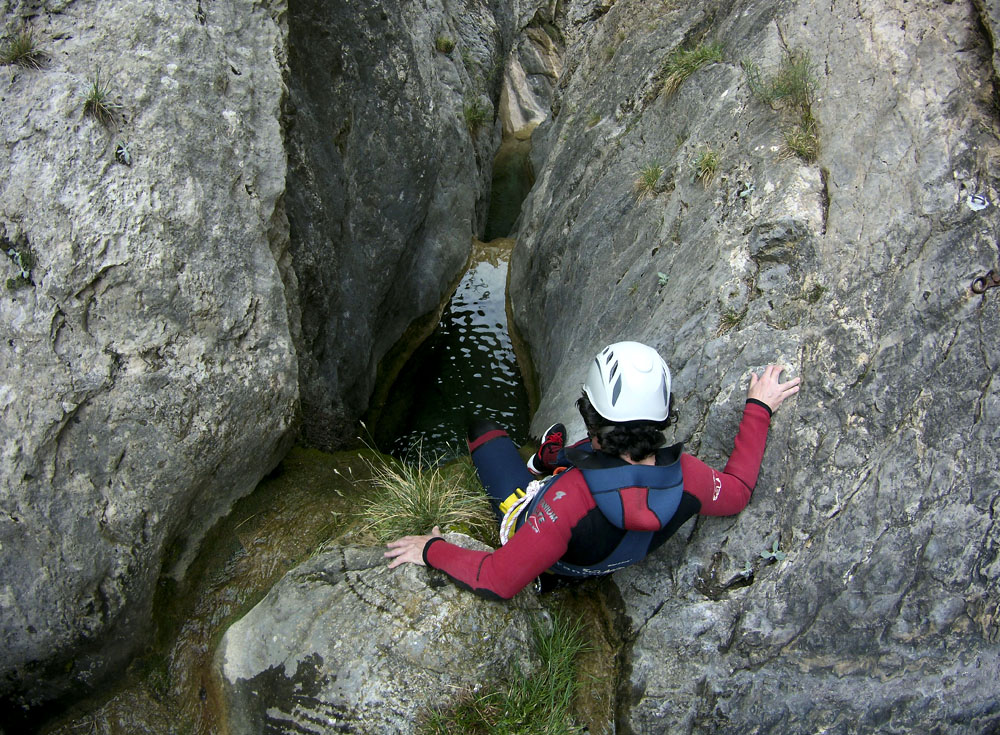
613	497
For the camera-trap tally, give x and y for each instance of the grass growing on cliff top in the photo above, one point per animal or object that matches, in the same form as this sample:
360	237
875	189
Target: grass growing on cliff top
21	49
534	704
684	62
412	498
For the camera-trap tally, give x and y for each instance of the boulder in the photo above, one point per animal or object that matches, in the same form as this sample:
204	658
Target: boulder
858	591
147	371
344	644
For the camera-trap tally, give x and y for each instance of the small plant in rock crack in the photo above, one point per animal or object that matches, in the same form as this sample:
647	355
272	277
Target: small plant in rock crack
476	114
99	103
444	44
792	90
22	49
775	554
730	318
646	180
684	62
23	261
801	138
705	164
122	153
661	279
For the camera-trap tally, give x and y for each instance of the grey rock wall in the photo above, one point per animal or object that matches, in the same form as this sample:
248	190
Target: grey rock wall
879	486
388	184
147	372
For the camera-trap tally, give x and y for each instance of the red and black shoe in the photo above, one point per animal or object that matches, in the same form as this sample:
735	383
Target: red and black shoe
544	461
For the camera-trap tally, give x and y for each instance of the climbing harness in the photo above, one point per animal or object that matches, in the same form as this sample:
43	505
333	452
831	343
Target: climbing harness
516	502
990	280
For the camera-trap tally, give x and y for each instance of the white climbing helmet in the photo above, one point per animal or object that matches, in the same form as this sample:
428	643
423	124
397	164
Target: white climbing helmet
629	381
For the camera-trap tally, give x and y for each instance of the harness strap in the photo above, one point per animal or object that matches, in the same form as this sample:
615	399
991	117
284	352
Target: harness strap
515	506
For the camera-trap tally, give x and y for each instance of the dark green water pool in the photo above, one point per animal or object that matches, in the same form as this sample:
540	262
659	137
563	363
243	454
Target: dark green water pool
465	369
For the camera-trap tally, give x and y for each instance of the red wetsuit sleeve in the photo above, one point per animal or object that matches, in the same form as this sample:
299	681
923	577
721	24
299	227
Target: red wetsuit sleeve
538	544
728	492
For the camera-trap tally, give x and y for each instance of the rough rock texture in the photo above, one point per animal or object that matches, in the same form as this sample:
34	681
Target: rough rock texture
388	184
344	644
147	375
880	481
531	73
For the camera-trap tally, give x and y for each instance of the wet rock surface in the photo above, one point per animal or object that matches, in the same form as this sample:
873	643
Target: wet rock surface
858	591
344	644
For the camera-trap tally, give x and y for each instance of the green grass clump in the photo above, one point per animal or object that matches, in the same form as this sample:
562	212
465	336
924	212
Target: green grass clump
792	90
444	44
476	114
794	82
413	498
646	179
684	62
99	103
534	704
22	50
23	260
705	164
730	318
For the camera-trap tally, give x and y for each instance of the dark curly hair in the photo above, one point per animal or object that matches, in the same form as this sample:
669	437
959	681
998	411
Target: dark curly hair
637	439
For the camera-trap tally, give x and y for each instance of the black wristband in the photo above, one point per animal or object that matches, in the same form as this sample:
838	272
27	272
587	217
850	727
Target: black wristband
427	546
761	403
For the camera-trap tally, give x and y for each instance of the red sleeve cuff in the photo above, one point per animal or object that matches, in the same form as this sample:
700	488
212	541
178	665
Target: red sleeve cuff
761	403
427	546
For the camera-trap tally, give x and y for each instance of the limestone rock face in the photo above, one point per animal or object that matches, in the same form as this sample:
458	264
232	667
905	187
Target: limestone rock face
344	644
858	592
530	77
147	372
391	137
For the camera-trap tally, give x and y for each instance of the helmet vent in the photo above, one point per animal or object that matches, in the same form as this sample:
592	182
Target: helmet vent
614	369
616	391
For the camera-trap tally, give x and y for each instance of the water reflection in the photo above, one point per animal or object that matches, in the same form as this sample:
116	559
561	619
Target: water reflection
466	368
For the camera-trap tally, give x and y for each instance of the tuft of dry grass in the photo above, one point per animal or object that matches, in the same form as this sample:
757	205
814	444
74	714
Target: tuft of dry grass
99	103
802	139
646	180
22	49
413	497
705	164
684	62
